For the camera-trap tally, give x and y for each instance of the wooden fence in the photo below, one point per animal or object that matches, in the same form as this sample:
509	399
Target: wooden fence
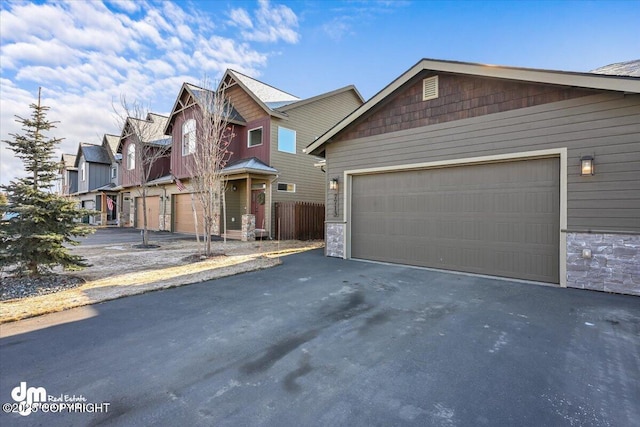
299	221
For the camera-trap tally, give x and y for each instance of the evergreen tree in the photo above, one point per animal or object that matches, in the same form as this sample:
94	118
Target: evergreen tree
36	224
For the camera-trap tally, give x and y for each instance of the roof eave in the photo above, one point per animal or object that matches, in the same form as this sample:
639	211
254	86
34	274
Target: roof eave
252	95
319	97
623	84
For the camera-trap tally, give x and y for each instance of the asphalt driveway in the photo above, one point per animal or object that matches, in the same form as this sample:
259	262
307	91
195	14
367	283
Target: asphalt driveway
323	341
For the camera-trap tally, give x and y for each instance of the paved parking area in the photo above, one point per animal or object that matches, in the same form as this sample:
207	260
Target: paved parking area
322	341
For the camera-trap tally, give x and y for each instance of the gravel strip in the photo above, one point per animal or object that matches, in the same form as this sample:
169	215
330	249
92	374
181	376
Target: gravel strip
23	287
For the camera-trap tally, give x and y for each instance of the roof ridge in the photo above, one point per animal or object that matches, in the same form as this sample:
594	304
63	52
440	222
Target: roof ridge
263	83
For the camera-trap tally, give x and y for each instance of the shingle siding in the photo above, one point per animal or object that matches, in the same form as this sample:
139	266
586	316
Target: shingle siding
460	97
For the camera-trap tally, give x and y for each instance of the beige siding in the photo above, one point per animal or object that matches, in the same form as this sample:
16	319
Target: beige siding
309	121
606	126
245	105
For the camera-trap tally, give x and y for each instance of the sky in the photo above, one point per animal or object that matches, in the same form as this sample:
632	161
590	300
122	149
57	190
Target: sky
87	55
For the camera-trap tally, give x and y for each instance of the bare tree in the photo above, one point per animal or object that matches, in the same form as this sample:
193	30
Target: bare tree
144	162
210	140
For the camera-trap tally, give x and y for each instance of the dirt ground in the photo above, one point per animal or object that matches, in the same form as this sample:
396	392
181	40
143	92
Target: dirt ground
121	270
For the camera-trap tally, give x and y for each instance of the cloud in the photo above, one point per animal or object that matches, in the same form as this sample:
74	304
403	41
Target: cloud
348	15
337	28
241	18
271	23
129	6
86	55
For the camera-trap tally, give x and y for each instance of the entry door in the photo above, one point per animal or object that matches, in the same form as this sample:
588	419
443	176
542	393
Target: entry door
257	207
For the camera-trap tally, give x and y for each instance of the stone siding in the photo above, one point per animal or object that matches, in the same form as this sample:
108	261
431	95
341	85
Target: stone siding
335	240
614	265
248	228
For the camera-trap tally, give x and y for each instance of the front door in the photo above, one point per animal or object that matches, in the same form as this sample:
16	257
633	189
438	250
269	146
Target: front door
257	207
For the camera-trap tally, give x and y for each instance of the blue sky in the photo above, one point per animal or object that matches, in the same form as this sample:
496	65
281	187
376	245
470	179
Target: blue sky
86	55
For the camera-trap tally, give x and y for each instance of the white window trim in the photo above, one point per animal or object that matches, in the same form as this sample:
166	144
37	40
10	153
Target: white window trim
191	147
131	159
249	137
114	172
287	184
83	171
295	141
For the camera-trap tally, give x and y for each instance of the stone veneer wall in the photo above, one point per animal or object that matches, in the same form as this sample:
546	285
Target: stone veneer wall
334	245
248	228
614	265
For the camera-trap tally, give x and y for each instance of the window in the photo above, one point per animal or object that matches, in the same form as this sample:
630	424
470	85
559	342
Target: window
188	137
289	188
255	137
83	171
114	172
286	140
131	156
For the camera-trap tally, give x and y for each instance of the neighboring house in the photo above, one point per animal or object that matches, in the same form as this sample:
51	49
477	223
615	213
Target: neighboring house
93	163
68	175
112	206
514	172
145	152
627	68
268	164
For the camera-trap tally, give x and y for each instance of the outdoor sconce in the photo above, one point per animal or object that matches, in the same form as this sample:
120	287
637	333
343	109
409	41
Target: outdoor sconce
234	188
333	184
586	166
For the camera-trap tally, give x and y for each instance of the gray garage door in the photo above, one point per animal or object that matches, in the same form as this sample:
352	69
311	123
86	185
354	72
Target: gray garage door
499	219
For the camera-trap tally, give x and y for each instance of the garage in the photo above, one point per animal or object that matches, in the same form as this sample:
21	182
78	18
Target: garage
153	213
499	219
183	221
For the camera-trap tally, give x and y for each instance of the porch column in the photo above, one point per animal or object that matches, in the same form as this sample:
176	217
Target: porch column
248	195
103	211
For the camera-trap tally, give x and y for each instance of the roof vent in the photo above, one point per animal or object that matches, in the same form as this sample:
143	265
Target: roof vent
430	88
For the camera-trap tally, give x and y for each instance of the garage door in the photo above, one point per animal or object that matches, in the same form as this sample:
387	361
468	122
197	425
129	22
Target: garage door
153	213
499	219
183	221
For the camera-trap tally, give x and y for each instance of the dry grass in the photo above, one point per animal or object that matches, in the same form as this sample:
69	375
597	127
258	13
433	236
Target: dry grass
120	270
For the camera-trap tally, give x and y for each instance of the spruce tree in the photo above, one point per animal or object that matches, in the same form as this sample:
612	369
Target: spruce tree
36	224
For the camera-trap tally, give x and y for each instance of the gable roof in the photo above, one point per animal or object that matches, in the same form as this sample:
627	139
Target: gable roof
268	97
625	84
68	161
200	95
628	68
153	125
321	96
92	153
110	142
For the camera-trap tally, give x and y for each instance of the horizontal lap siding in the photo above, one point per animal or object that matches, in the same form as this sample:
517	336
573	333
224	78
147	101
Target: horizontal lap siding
310	121
606	126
